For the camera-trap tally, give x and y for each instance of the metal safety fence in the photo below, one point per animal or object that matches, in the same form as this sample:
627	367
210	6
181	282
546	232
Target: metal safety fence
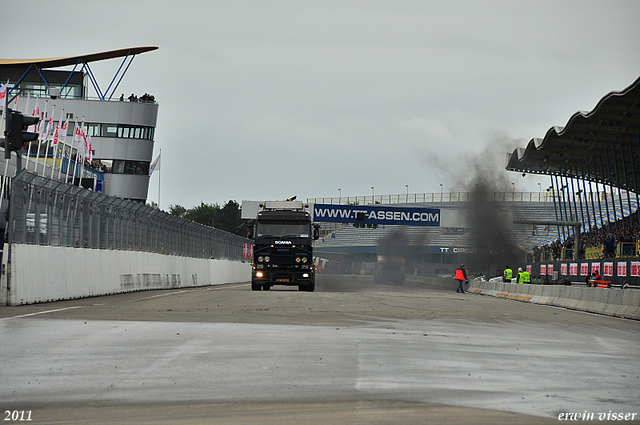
440	197
53	213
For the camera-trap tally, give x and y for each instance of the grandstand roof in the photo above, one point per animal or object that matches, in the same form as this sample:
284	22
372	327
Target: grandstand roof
605	141
73	60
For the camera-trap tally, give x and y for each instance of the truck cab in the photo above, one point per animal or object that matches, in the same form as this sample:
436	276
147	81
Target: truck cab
283	252
390	269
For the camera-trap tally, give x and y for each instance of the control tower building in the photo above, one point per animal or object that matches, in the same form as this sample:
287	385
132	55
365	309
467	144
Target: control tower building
121	129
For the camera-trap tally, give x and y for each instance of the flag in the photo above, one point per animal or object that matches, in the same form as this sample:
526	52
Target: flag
77	138
154	165
63	129
85	144
56	133
3	94
41	127
90	149
49	126
35	113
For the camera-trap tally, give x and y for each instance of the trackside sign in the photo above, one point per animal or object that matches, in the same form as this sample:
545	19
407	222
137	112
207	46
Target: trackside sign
377	214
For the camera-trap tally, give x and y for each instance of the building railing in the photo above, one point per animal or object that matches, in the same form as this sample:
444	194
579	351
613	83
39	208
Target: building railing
627	249
53	213
594	252
438	197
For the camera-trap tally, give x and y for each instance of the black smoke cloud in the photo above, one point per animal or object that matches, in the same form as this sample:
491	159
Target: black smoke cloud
482	175
394	244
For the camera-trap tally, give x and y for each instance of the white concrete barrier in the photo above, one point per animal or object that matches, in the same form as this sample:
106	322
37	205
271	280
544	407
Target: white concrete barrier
630	304
43	273
609	301
600	301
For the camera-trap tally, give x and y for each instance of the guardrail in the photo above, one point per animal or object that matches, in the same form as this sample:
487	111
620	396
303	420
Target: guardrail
53	213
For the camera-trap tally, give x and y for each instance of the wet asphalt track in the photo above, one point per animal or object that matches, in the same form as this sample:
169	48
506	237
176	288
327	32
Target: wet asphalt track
351	352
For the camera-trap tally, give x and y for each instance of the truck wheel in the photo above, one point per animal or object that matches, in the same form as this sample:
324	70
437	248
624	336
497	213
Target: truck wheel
255	286
266	287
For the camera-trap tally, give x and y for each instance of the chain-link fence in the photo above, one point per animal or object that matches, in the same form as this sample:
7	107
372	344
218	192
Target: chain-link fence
53	213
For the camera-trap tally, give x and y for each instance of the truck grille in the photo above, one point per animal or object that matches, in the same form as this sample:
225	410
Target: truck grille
283	258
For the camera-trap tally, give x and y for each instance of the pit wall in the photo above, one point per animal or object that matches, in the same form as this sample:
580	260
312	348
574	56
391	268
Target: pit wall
43	273
624	303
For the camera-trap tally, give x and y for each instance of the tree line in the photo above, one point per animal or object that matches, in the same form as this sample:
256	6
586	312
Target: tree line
226	217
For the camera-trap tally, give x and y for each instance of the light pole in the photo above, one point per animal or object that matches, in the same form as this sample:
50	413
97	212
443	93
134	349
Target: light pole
373	195
441	192
539	192
339	194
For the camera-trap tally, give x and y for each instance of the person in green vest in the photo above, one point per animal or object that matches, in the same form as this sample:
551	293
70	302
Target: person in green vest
523	276
507	275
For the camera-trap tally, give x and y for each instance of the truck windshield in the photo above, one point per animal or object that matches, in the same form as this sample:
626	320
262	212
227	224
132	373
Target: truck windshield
292	230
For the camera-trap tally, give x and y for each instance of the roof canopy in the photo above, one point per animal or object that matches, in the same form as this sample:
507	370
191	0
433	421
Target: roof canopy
602	145
73	60
24	66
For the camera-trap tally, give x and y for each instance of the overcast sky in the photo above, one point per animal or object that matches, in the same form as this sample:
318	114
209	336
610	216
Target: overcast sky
264	100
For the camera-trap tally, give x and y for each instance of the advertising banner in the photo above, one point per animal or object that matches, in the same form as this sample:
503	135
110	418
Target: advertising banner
573	269
374	214
622	268
584	269
608	269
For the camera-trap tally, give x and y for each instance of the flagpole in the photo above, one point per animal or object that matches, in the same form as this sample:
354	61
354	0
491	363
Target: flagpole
29	155
46	140
63	140
159	172
26	111
34	113
6	142
73	142
56	141
83	155
42	127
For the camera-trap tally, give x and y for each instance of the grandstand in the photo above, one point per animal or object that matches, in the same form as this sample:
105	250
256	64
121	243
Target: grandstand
594	167
433	246
601	148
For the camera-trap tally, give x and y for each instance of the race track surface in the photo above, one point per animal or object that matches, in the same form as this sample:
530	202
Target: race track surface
350	352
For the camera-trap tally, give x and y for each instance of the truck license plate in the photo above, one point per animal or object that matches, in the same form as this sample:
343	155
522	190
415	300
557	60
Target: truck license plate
282	280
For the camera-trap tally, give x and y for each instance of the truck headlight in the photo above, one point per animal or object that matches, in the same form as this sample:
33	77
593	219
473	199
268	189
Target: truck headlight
304	259
297	259
259	274
260	259
266	259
